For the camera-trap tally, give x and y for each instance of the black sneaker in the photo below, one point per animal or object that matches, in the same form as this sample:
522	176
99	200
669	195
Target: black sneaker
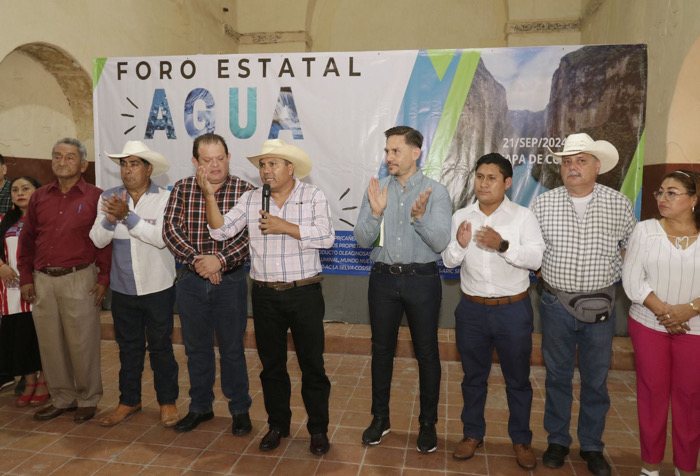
554	456
596	462
427	438
379	427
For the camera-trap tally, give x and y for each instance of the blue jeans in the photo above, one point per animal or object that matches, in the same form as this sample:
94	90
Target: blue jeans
301	310
419	297
562	334
207	309
140	323
507	328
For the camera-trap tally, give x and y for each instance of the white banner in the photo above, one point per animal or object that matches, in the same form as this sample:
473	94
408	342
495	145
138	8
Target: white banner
336	106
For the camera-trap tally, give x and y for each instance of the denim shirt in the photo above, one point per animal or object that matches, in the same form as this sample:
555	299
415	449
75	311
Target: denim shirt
407	240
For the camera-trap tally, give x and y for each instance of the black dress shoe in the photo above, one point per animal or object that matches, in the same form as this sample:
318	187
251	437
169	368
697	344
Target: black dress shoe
51	412
554	456
319	444
596	462
191	421
241	424
272	440
84	414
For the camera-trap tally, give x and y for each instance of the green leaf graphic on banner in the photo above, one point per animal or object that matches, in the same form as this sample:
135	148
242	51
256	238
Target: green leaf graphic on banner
459	90
632	185
441	60
98	65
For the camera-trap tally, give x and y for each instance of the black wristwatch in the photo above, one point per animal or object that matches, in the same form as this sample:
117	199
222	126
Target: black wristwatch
503	247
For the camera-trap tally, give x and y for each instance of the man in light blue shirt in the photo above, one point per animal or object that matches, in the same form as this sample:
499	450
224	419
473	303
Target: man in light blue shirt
406	219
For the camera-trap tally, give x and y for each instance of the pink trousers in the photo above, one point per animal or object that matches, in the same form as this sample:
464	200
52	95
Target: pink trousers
668	368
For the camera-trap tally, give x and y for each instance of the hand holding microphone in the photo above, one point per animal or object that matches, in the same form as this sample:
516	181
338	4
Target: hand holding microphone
266	198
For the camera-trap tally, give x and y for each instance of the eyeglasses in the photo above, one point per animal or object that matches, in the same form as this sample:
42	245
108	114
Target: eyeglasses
670	195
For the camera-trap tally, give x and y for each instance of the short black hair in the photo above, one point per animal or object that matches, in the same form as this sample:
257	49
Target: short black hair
2	160
410	135
503	164
208	138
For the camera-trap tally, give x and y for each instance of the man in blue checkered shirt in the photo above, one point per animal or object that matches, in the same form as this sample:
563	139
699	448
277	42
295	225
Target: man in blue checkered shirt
585	227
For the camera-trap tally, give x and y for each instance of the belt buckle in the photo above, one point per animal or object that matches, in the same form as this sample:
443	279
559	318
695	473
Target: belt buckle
395	266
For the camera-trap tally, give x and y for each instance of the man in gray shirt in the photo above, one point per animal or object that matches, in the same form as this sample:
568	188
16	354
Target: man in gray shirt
406	218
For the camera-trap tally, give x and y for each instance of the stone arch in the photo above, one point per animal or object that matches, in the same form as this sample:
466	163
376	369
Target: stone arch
73	80
682	138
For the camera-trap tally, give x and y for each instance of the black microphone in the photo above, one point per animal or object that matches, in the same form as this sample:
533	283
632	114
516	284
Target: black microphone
266	198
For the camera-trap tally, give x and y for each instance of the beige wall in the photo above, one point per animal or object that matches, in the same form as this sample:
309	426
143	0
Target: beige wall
669	28
34	110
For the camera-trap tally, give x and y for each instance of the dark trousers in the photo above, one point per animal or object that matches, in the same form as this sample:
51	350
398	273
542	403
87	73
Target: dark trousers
207	309
301	310
145	323
418	295
507	328
19	348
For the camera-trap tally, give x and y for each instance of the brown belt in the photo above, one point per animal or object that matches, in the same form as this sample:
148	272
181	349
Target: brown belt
497	301
56	272
279	286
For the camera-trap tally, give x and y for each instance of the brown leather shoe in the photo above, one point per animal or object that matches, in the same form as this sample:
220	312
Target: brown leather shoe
466	448
168	415
51	412
524	456
84	414
119	414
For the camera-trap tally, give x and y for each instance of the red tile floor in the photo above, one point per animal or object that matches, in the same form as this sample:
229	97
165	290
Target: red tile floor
141	446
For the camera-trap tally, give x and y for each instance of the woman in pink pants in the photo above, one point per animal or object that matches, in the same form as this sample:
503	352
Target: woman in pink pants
661	276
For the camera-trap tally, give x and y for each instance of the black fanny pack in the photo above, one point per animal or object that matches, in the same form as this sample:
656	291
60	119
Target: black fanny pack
596	306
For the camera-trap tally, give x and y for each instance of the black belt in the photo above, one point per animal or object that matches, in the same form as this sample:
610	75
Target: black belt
407	269
57	272
281	286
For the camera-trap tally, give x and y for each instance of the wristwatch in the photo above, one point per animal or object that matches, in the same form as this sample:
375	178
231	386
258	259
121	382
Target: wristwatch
692	304
503	247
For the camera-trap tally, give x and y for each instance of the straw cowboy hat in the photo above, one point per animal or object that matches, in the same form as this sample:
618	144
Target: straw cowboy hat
141	150
602	150
280	149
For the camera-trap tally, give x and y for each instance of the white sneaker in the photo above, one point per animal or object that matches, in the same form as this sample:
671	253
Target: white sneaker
648	472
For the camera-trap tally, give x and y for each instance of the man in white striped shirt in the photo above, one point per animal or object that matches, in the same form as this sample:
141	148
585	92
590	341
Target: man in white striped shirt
585	227
286	273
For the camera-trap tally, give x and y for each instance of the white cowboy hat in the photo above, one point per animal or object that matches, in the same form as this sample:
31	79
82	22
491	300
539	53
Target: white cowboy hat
141	150
280	149
602	150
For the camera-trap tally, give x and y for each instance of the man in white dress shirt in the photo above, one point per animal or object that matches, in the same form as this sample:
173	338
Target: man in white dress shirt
130	216
496	242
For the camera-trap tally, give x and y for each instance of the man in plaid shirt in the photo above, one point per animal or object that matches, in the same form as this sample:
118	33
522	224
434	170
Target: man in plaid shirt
585	227
211	288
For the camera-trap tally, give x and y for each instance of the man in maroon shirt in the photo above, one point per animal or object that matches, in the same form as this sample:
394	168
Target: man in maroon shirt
65	277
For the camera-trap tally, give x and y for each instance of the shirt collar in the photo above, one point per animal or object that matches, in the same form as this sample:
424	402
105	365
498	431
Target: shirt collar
411	181
506	206
81	184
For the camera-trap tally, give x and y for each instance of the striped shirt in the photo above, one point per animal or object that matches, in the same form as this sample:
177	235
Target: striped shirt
11	301
185	226
652	263
282	258
583	254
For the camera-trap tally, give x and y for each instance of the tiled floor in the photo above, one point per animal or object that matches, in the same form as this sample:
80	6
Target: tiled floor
141	446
